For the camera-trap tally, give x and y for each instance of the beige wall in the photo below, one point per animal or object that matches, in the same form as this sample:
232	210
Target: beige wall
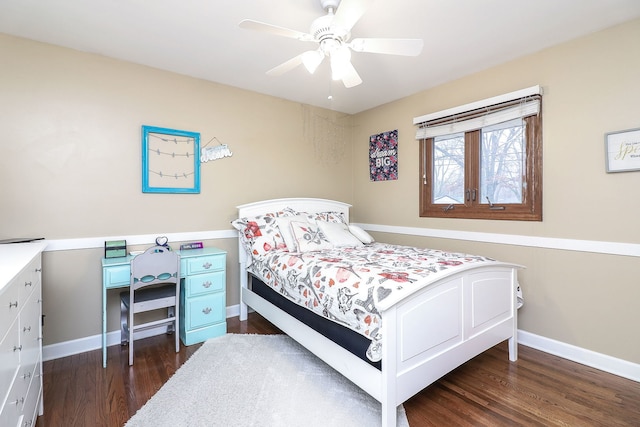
590	88
71	163
71	146
71	168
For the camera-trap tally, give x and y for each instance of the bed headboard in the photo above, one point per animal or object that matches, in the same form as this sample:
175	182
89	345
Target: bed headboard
300	204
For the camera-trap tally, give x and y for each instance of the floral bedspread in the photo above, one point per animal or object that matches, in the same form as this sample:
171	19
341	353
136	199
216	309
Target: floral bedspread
349	285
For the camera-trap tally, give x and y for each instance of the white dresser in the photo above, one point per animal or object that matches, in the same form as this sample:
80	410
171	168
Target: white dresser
20	333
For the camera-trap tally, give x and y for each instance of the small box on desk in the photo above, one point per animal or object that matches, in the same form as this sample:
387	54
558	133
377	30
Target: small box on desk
115	248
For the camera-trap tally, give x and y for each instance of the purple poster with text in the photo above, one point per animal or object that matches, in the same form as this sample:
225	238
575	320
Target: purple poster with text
383	156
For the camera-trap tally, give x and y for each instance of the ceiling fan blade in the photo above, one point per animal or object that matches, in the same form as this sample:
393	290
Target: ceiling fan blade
349	12
406	47
250	24
286	66
351	77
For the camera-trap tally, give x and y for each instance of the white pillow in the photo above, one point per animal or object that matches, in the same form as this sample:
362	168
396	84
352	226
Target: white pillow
362	235
338	234
284	224
309	237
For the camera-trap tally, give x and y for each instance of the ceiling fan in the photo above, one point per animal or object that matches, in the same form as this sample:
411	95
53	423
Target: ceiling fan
332	33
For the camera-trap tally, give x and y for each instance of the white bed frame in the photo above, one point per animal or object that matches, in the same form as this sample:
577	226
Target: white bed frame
425	335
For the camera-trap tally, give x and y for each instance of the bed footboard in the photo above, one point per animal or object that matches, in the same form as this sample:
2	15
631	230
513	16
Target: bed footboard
442	327
425	336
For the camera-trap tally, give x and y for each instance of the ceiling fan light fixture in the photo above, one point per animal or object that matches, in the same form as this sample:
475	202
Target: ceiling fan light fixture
332	32
312	59
340	62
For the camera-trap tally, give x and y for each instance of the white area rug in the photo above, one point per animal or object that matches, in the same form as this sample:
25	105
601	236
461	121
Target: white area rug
258	380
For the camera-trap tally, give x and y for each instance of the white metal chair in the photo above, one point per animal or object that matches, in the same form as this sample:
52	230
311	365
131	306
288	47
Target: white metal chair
154	284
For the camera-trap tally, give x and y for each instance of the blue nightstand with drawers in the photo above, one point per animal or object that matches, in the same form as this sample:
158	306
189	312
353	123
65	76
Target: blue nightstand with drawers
202	293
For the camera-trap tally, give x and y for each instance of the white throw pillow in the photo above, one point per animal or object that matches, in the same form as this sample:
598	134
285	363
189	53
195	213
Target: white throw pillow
309	237
362	235
338	234
284	224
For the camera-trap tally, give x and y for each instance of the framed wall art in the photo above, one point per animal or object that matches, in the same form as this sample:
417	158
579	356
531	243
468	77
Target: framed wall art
170	161
383	156
622	151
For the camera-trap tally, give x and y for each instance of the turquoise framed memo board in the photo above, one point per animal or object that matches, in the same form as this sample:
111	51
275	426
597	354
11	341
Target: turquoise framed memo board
170	161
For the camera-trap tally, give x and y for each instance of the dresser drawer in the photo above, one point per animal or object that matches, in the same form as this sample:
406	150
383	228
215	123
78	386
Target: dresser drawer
9	307
206	310
29	279
9	358
26	375
30	408
205	283
9	415
202	264
16	398
117	276
30	330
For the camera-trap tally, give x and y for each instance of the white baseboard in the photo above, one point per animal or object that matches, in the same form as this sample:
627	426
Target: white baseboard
94	342
602	362
580	355
81	345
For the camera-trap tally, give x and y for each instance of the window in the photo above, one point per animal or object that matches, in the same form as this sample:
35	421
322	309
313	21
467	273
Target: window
483	162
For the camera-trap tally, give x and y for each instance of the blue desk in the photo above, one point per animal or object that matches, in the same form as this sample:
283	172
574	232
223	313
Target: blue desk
202	293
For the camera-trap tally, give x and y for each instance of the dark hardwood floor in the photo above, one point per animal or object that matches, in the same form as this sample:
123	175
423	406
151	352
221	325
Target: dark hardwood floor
537	390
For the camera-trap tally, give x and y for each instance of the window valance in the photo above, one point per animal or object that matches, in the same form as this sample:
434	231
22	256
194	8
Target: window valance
476	115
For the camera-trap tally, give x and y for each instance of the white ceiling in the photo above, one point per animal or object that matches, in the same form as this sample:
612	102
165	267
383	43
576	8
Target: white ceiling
201	39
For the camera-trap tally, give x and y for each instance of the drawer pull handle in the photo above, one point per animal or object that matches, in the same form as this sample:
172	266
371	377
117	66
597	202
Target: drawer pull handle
206	310
26	329
38	270
18	401
27	375
17	348
28	283
206	284
13	304
206	265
